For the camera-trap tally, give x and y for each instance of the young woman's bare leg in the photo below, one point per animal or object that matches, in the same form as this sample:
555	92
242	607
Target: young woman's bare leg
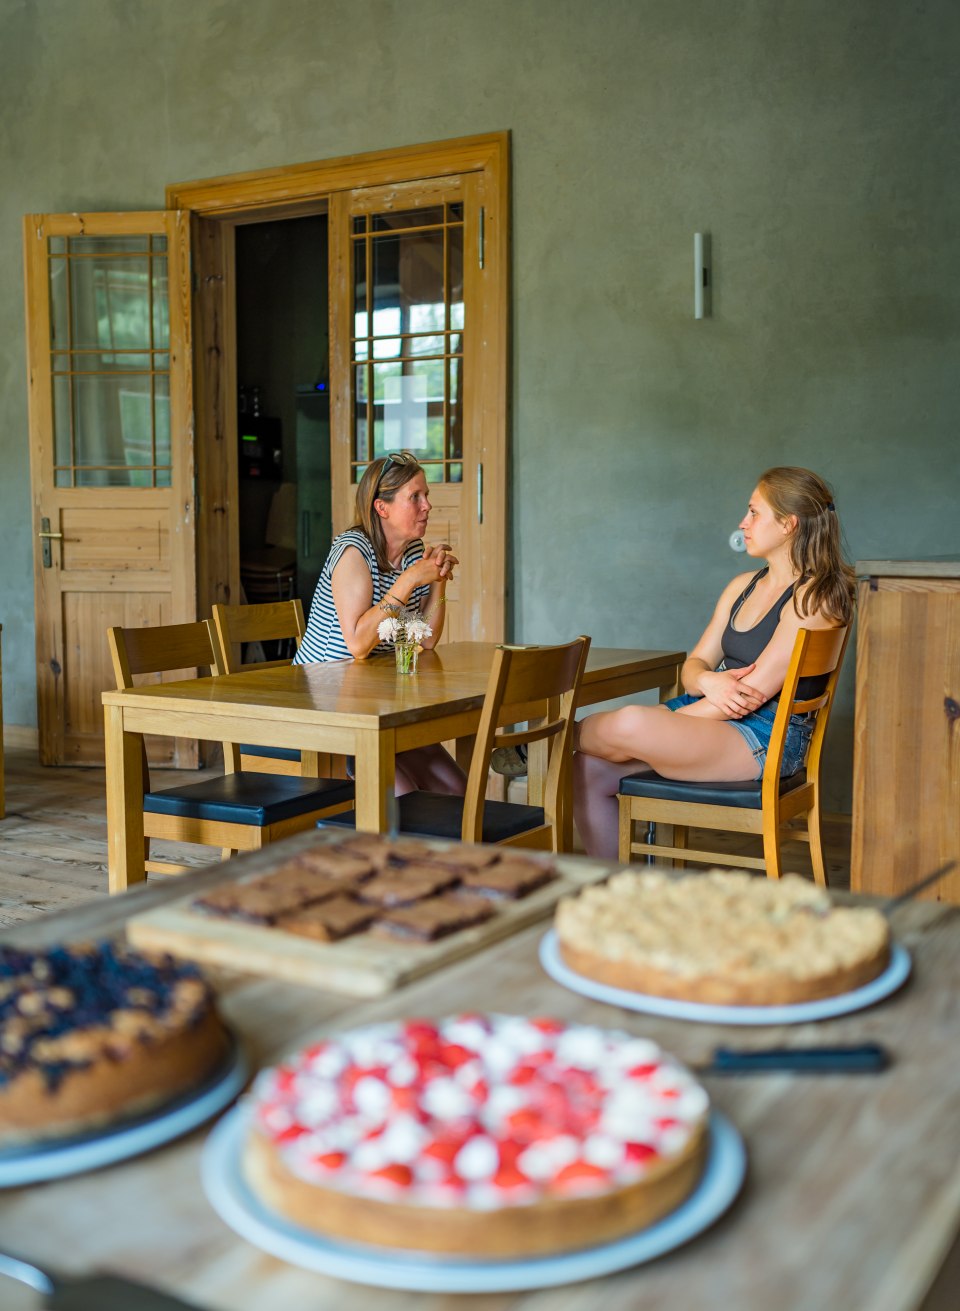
619	742
595	786
429	769
674	744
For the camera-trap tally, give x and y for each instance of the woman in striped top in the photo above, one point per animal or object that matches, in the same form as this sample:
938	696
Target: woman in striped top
381	563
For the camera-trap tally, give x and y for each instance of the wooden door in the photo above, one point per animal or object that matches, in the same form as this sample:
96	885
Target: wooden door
411	344
413	336
111	454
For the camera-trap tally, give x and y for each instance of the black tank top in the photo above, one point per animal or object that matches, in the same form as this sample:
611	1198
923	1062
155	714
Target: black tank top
743	648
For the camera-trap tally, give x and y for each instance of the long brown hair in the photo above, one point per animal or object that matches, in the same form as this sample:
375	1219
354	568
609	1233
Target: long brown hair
381	482
815	549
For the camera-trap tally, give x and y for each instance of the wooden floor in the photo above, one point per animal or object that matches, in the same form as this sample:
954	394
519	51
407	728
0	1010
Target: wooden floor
53	841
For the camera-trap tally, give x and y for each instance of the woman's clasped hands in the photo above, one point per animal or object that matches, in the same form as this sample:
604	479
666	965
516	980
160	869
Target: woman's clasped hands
730	691
436	565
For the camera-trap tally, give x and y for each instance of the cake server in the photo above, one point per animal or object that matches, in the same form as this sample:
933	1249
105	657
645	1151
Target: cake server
90	1292
865	1058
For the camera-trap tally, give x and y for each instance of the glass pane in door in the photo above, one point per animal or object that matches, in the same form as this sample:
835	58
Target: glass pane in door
110	342
408	321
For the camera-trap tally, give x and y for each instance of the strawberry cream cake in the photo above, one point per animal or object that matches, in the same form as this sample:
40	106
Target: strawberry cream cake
487	1136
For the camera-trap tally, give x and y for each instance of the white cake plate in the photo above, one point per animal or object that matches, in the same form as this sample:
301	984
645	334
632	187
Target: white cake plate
38	1162
381	1267
892	978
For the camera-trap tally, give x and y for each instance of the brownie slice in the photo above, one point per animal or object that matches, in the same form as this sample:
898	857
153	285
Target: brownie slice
435	918
333	863
406	884
463	858
264	900
509	880
327	921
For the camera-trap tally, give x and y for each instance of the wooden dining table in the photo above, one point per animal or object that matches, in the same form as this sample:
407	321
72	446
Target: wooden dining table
363	709
852	1193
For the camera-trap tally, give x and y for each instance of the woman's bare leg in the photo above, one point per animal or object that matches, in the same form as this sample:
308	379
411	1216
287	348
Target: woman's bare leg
429	769
615	743
595	786
674	744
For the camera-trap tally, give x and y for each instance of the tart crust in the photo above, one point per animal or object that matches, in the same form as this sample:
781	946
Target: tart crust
724	938
550	1225
92	1035
111	1089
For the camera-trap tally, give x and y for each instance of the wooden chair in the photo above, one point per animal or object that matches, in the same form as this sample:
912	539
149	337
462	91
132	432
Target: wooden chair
519	675
762	806
276	621
236	811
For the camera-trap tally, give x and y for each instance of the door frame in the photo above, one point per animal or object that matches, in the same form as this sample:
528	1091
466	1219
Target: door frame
216	206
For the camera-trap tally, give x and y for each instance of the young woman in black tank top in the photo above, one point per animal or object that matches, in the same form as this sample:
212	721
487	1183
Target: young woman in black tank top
720	728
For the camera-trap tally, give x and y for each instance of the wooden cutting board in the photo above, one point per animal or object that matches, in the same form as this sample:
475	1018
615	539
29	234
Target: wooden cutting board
361	965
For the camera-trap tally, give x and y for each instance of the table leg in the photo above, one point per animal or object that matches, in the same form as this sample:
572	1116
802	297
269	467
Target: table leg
675	688
374	774
124	774
463	751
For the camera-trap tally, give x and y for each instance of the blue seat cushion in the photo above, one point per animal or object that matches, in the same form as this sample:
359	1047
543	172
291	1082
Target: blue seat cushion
746	794
272	753
434	815
256	799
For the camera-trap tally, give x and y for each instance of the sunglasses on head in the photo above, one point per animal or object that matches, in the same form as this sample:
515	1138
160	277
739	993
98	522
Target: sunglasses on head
401	458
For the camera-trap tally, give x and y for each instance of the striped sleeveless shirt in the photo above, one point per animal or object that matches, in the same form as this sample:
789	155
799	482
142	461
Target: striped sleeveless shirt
324	639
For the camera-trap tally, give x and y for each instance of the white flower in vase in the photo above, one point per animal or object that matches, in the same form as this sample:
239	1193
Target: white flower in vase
406	633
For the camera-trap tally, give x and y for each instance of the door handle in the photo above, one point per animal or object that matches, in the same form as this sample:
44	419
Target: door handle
46	536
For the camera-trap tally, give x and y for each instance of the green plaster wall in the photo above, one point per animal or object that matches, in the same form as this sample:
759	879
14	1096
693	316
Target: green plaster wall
816	140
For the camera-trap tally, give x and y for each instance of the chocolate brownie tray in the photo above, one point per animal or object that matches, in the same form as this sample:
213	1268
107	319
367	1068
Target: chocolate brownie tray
360	914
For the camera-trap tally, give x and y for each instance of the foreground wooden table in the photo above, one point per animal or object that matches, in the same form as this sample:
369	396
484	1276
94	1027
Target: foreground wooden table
354	708
853	1192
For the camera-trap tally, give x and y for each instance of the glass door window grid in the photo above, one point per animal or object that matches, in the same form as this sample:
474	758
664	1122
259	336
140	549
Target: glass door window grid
407	347
110	361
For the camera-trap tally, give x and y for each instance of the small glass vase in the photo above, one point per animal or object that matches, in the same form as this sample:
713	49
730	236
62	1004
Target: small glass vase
406	654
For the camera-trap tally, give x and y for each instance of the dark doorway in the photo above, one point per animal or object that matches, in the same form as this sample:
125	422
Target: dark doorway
285	521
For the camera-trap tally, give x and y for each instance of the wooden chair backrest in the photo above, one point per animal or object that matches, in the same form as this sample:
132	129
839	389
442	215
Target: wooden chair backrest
271	621
160	650
519	676
184	648
817	651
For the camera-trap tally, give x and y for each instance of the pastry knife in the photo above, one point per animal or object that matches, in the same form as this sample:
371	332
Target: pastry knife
90	1292
865	1058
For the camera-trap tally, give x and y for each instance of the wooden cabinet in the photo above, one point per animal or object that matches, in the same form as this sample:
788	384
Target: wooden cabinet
906	783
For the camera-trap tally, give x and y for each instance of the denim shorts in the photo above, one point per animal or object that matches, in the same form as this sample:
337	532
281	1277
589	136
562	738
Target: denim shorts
757	728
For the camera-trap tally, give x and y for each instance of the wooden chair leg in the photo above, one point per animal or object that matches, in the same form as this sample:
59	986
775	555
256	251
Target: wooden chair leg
680	832
771	845
815	835
626	832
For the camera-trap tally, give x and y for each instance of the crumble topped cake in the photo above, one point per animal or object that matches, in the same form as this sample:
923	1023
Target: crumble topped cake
724	938
92	1034
483	1135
